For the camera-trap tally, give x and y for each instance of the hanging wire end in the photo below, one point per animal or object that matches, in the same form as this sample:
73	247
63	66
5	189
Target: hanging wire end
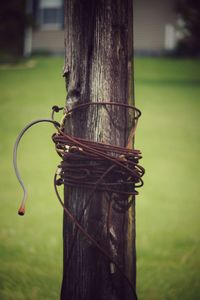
21	210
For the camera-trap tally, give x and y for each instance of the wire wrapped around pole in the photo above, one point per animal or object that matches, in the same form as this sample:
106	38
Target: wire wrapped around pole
84	162
94	166
102	167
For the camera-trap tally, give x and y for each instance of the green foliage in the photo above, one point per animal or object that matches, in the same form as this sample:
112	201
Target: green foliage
168	206
189	10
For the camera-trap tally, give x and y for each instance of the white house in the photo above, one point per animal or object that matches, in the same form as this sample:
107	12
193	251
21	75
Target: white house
154	26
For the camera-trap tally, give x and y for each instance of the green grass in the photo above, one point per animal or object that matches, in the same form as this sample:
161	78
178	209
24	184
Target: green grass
31	247
168	222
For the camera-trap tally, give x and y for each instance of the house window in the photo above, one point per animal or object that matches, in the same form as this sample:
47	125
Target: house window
51	14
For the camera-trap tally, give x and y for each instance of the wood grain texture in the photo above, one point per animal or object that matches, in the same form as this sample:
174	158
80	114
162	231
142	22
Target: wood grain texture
98	67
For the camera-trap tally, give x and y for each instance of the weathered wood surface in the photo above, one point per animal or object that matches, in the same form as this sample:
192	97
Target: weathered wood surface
98	67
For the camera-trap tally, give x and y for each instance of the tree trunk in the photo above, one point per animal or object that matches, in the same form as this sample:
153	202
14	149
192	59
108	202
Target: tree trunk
98	67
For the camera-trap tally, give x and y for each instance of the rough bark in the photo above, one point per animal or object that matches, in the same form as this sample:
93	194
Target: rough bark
98	67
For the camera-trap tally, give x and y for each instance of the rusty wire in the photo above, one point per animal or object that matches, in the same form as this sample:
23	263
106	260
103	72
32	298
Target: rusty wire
94	166
102	167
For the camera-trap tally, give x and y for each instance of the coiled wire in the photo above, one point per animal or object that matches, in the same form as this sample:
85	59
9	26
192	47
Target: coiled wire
93	166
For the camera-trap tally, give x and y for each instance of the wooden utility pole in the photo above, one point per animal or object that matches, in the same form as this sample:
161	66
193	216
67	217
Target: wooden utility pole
98	67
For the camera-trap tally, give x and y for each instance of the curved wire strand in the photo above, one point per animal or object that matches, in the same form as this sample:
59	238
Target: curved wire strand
21	210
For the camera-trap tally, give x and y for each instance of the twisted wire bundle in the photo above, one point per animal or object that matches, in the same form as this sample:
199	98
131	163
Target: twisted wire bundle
99	166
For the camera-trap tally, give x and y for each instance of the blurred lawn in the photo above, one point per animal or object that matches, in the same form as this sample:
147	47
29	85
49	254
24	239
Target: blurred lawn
168	222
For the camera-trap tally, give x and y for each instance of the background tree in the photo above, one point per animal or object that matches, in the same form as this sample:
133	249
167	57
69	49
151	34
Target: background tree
189	11
13	21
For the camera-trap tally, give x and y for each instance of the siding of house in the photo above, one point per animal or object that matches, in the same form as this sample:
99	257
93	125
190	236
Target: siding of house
48	40
150	21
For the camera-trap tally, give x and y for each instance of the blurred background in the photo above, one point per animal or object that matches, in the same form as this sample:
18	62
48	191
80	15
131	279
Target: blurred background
167	90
